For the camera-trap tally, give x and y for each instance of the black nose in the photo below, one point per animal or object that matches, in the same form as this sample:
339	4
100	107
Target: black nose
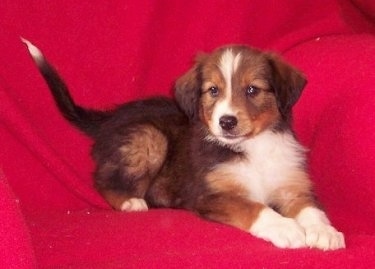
228	122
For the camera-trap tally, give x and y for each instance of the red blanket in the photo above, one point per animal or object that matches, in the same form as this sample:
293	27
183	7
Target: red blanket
110	52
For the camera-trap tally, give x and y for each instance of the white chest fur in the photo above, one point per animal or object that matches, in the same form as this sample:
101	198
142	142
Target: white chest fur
270	160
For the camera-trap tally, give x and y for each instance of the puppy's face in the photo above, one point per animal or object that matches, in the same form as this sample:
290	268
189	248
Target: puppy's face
238	92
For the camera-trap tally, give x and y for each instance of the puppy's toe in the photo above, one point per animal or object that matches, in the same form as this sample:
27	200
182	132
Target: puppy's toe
285	233
282	232
324	236
134	204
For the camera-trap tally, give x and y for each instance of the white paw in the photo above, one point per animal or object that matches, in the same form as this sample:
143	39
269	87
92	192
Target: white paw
319	232
324	237
282	232
134	204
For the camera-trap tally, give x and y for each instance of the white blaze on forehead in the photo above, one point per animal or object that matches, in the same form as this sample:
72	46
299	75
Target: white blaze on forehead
228	64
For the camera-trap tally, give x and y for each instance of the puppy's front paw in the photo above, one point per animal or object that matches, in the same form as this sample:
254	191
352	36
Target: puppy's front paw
282	232
324	236
319	232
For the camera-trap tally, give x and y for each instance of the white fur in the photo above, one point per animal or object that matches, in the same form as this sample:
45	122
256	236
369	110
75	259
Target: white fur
282	232
228	65
270	159
134	204
34	51
319	232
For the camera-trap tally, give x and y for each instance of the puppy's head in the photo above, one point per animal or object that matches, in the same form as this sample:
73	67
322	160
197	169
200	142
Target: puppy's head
238	92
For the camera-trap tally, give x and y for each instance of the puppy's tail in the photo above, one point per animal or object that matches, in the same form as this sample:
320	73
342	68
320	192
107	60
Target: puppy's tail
87	120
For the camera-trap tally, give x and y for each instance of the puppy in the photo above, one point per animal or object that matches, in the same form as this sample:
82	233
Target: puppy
224	148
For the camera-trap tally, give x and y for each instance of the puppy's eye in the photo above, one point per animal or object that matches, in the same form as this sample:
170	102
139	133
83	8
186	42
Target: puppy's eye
252	91
214	91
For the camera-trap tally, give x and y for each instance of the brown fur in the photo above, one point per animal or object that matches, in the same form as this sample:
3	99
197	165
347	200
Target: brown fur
229	202
291	198
144	151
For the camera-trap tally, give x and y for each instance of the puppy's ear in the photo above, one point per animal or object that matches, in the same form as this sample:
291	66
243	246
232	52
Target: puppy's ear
187	91
288	83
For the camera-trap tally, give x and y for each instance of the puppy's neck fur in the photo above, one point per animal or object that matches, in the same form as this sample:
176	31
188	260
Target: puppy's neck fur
246	144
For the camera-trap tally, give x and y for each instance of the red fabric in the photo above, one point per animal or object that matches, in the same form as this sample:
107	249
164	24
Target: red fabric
15	248
114	51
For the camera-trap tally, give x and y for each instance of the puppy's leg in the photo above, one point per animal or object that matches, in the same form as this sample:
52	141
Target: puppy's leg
259	220
296	200
125	176
229	204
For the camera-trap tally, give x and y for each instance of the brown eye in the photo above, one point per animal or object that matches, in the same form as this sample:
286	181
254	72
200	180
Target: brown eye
214	91
252	91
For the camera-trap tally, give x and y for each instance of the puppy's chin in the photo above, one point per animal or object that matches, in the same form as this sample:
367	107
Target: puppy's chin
230	141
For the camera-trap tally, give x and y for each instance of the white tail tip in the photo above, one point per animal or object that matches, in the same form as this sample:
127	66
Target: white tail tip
34	51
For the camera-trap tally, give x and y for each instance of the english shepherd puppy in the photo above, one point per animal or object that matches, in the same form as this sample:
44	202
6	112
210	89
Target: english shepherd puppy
224	148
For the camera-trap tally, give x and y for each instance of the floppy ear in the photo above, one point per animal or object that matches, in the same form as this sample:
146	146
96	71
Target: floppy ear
187	92
288	83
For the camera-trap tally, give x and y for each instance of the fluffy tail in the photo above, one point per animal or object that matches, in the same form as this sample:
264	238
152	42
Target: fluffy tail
86	120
